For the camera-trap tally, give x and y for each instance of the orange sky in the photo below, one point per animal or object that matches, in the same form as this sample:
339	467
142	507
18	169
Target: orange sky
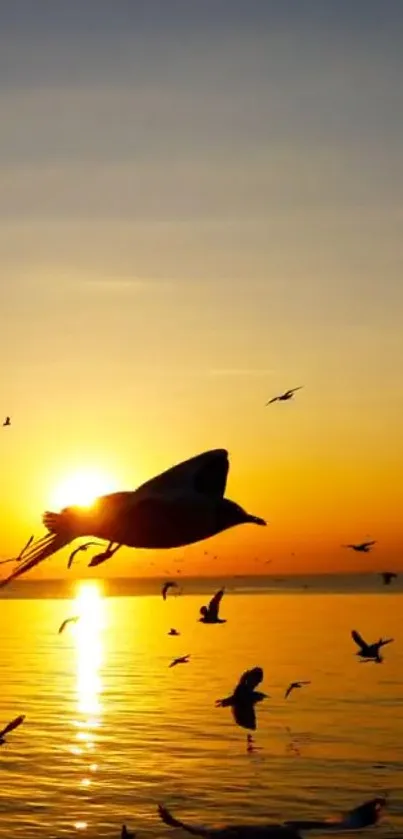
196	215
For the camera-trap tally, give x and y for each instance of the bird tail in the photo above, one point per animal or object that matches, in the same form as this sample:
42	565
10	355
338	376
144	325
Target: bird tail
40	550
168	819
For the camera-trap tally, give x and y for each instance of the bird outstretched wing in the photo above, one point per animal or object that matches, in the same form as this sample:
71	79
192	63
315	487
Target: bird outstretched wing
214	605
244	715
358	639
40	550
12	725
205	473
169	819
250	679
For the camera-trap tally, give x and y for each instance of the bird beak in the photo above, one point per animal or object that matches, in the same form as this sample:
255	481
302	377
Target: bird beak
257	520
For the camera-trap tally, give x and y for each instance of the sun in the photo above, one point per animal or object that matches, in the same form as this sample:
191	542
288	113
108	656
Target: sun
81	488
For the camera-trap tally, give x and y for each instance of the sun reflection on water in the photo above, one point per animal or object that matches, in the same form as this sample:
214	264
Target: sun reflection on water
90	607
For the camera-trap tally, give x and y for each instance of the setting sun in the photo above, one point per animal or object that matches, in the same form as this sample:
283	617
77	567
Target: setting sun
82	488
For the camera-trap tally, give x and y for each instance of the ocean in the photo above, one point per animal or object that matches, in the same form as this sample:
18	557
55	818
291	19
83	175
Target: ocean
111	730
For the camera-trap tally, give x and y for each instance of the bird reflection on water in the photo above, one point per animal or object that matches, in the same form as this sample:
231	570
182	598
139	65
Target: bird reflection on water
90	606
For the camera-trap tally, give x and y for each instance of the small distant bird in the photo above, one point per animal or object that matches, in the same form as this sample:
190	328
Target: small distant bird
99	558
209	614
369	652
244	698
10	727
233	831
66	622
127	834
284	396
6	422
184	659
173	632
181	506
83	547
362	547
166	587
387	577
292	686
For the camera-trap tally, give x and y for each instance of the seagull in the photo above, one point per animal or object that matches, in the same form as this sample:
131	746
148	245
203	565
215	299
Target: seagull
284	396
83	547
209	614
10	727
98	558
365	815
241	831
65	623
369	652
7	422
362	547
292	686
173	632
387	577
181	506
244	698
166	587
127	834
184	659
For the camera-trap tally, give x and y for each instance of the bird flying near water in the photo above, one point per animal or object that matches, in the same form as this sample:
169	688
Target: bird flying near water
183	659
293	686
66	622
181	506
15	723
362	547
83	547
7	422
284	397
365	815
166	587
209	614
369	652
173	632
387	577
244	698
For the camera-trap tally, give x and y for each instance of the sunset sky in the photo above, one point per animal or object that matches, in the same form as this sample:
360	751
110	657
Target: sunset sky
200	208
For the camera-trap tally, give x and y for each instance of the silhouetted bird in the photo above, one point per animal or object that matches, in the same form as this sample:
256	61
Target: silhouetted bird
173	632
362	547
365	815
233	831
209	614
387	577
127	834
7	422
369	652
183	505
292	686
166	587
284	396
66	622
184	659
10	727
244	698
83	547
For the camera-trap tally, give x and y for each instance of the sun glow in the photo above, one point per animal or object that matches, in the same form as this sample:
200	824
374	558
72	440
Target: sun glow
82	488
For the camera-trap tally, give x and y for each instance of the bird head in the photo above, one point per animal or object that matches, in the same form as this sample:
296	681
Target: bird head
231	514
203	612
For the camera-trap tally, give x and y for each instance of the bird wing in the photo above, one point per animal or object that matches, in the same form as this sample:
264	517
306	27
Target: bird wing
358	639
40	550
289	689
206	473
270	402
168	819
294	390
214	605
12	725
63	625
368	544
250	679
244	715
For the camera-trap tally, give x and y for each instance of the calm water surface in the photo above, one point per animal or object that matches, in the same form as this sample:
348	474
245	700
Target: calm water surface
110	730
